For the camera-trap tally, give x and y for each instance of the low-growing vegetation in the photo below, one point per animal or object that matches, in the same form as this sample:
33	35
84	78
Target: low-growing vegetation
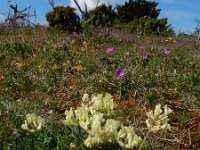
116	79
44	73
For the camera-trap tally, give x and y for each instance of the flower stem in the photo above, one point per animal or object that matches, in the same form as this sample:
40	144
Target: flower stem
144	140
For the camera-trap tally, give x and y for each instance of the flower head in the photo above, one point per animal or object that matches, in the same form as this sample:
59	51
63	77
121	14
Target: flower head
198	57
109	49
70	119
120	73
127	138
144	55
79	68
74	33
33	123
142	47
158	120
102	103
166	52
68	39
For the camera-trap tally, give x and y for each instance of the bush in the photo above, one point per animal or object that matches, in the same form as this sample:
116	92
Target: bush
102	16
137	9
146	25
64	18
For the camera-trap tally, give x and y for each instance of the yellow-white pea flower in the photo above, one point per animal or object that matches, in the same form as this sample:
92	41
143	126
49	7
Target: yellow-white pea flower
70	118
92	140
158	120
103	103
97	103
121	133
127	138
108	103
91	117
33	123
85	124
96	122
112	125
82	113
89	142
110	129
85	99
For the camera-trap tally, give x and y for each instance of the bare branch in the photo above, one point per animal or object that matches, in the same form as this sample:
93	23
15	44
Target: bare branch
86	10
51	2
84	13
18	16
25	9
97	4
77	4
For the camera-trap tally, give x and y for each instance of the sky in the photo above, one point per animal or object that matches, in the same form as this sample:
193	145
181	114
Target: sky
180	13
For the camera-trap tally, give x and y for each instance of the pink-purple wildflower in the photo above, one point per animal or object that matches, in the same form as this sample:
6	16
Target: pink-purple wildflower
144	55
166	52
142	47
68	39
120	73
109	49
74	33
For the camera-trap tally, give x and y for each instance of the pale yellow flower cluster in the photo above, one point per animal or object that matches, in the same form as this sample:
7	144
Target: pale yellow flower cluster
158	120
103	104
170	40
127	139
91	117
33	123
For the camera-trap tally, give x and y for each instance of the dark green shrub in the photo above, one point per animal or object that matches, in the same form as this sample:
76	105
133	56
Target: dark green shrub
64	18
141	16
146	25
137	9
133	26
102	16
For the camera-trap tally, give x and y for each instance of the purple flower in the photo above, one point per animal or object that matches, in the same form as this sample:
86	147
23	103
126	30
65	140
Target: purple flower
120	73
142	47
144	55
68	39
109	49
166	52
198	57
74	33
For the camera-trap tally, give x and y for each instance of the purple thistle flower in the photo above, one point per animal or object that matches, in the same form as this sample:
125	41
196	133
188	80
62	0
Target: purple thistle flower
120	73
166	52
109	49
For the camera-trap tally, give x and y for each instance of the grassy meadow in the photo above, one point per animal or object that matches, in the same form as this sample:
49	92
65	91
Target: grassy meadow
47	72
